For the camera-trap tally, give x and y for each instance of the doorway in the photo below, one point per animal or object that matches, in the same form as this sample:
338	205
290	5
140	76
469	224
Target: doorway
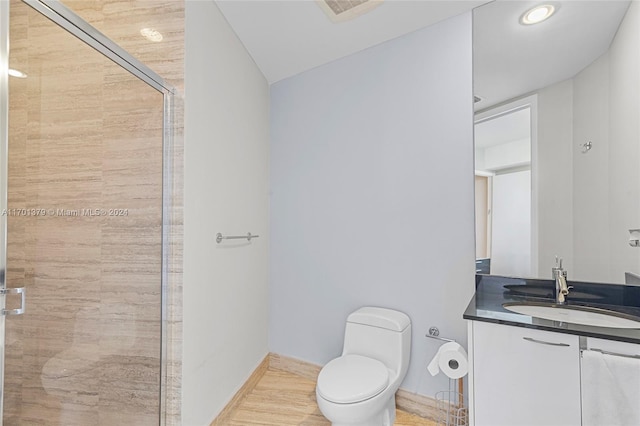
505	221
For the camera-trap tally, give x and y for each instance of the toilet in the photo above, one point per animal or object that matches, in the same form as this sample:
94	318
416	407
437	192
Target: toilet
358	388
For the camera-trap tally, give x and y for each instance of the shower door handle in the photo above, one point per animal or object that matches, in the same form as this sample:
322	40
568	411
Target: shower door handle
14	290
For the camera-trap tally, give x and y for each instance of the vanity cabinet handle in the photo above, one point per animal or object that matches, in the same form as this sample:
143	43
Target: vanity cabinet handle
529	339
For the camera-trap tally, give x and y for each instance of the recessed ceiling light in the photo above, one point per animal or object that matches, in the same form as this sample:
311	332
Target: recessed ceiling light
537	14
16	73
151	34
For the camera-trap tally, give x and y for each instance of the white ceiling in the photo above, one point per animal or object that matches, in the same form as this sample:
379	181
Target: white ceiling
286	37
511	59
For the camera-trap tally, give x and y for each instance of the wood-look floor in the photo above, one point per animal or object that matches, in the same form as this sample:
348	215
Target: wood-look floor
285	399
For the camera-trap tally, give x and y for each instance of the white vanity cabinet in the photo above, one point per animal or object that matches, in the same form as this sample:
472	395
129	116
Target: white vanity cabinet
522	376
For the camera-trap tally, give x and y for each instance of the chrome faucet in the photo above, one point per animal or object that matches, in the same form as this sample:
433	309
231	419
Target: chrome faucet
560	275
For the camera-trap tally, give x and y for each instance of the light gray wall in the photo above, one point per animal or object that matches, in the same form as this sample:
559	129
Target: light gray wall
591	174
226	190
555	177
372	195
511	224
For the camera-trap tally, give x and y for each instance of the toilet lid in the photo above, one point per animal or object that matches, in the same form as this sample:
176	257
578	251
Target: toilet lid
352	378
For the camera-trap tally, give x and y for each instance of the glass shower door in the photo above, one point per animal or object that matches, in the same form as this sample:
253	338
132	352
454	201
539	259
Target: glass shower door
84	233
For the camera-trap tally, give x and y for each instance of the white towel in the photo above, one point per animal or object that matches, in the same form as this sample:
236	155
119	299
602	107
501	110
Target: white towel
610	390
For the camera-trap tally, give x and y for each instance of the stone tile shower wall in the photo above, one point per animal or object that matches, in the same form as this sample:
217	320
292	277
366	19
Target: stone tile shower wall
85	156
121	20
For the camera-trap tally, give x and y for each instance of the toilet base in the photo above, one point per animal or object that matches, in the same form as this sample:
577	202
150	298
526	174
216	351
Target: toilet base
385	418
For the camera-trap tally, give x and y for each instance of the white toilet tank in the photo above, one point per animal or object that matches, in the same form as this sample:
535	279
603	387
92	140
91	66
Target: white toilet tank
382	334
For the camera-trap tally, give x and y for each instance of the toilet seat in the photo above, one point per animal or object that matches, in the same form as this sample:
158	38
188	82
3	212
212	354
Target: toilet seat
352	378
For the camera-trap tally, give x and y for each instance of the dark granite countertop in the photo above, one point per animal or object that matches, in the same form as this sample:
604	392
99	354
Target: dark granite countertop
492	291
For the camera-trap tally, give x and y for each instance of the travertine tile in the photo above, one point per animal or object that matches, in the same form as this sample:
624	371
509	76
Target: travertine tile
84	134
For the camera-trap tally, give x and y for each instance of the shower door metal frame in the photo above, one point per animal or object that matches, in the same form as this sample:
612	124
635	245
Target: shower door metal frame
70	21
4	144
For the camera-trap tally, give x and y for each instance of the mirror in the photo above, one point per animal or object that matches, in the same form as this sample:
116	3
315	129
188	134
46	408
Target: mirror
558	140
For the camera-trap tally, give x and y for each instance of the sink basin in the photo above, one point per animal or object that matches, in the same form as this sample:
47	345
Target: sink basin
574	314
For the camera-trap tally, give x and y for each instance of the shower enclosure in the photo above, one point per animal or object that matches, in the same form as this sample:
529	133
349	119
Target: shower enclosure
85	131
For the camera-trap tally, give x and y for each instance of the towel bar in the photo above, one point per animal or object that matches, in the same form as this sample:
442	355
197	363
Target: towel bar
220	237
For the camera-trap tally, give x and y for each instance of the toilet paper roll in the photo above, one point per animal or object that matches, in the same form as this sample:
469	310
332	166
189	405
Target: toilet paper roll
451	359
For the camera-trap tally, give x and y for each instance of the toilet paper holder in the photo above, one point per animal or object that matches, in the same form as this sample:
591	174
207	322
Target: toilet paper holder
434	333
450	407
